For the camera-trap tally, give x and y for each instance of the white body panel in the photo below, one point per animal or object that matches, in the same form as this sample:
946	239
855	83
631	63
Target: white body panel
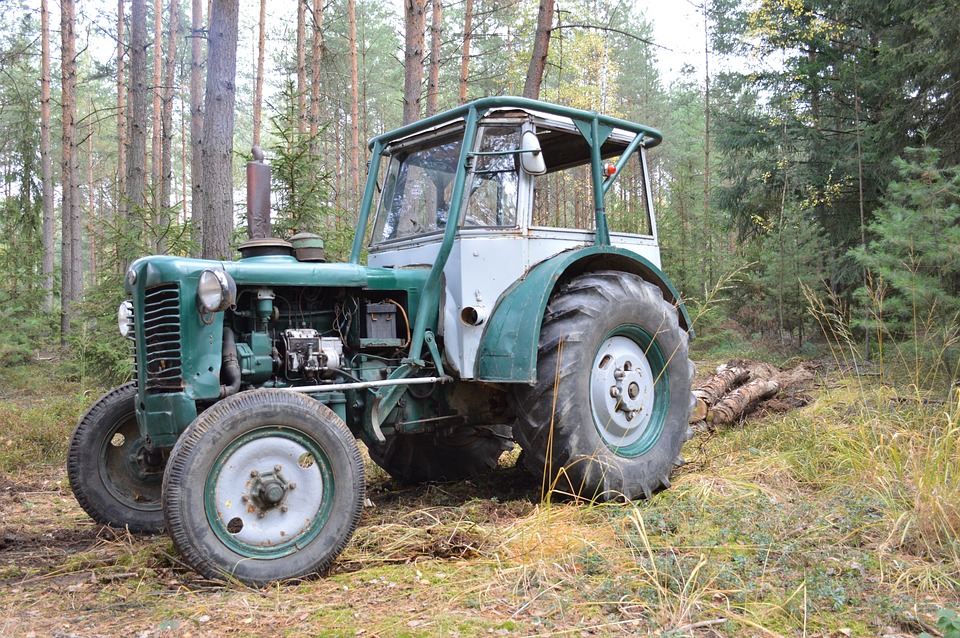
482	265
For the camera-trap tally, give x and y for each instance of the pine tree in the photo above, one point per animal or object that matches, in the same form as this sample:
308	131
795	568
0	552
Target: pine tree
916	233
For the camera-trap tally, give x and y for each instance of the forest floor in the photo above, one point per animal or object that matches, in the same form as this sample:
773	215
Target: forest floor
754	538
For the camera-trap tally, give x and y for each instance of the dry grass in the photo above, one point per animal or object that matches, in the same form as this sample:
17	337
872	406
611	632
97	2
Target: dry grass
837	519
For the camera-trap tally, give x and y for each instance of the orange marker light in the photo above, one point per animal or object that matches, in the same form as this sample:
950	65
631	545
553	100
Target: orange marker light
610	169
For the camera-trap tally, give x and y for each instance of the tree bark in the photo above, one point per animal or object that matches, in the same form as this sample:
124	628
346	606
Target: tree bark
465	51
196	116
433	77
137	117
46	161
156	147
706	266
414	22
166	149
742	400
91	208
723	380
121	105
258	87
217	154
302	65
71	260
541	47
315	66
354	102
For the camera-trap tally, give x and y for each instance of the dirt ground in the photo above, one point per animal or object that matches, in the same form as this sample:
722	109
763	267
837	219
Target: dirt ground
63	575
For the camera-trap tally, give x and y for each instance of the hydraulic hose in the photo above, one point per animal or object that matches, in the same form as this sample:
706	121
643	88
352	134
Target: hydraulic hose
230	369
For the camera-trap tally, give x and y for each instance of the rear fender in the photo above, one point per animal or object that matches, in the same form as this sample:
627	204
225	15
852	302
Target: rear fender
508	348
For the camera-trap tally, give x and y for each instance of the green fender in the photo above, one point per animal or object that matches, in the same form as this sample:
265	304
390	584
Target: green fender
508	348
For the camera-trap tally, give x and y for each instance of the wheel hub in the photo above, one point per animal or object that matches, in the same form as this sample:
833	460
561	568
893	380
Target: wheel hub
148	461
268	489
267	493
622	391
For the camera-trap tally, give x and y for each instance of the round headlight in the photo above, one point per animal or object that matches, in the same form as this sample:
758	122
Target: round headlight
131	277
216	291
125	319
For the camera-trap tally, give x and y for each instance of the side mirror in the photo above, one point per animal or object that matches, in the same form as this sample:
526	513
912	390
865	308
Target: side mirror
531	157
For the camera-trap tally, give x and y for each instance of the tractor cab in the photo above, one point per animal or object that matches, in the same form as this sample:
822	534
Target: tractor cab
496	188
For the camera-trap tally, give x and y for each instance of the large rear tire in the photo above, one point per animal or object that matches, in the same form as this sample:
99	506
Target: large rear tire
609	412
266	485
113	475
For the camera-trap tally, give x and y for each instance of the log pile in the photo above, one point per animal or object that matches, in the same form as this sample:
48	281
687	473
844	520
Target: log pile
736	389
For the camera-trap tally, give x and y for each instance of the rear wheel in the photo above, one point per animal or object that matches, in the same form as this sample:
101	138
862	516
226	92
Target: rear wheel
113	475
609	411
266	485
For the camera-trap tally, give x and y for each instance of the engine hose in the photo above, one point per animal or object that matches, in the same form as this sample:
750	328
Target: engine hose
230	369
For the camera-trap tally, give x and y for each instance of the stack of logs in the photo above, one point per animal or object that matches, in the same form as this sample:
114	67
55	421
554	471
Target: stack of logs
733	391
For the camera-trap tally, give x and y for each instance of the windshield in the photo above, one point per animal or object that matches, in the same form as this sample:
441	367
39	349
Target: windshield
417	188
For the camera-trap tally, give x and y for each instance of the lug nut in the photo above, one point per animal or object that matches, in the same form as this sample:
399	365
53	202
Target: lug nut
254	474
292	486
615	392
284	509
277	469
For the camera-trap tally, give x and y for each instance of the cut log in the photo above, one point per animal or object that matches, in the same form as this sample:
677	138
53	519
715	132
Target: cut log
741	401
723	380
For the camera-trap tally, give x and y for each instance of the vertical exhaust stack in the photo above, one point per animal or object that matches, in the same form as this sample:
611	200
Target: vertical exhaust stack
258	196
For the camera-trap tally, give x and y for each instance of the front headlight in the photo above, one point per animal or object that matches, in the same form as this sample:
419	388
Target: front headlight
125	319
216	291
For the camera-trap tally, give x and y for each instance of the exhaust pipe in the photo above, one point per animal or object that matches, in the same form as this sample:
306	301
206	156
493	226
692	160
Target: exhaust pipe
258	196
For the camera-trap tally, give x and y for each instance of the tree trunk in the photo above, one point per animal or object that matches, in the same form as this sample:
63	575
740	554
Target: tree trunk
541	47
302	65
71	264
156	148
137	117
433	79
414	17
217	169
742	400
723	380
46	162
315	66
91	209
121	107
258	88
196	116
465	51
706	266
354	102
166	150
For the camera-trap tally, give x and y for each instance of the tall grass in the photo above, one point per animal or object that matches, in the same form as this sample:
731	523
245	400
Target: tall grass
900	435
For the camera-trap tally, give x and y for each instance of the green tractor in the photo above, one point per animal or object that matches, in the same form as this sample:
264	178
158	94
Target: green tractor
498	305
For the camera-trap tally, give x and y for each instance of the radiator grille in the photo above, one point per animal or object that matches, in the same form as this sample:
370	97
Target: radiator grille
161	333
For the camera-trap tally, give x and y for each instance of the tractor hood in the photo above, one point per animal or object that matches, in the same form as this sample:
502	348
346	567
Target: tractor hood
272	270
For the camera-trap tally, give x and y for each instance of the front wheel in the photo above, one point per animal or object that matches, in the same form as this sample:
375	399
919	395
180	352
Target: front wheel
115	477
266	485
609	411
